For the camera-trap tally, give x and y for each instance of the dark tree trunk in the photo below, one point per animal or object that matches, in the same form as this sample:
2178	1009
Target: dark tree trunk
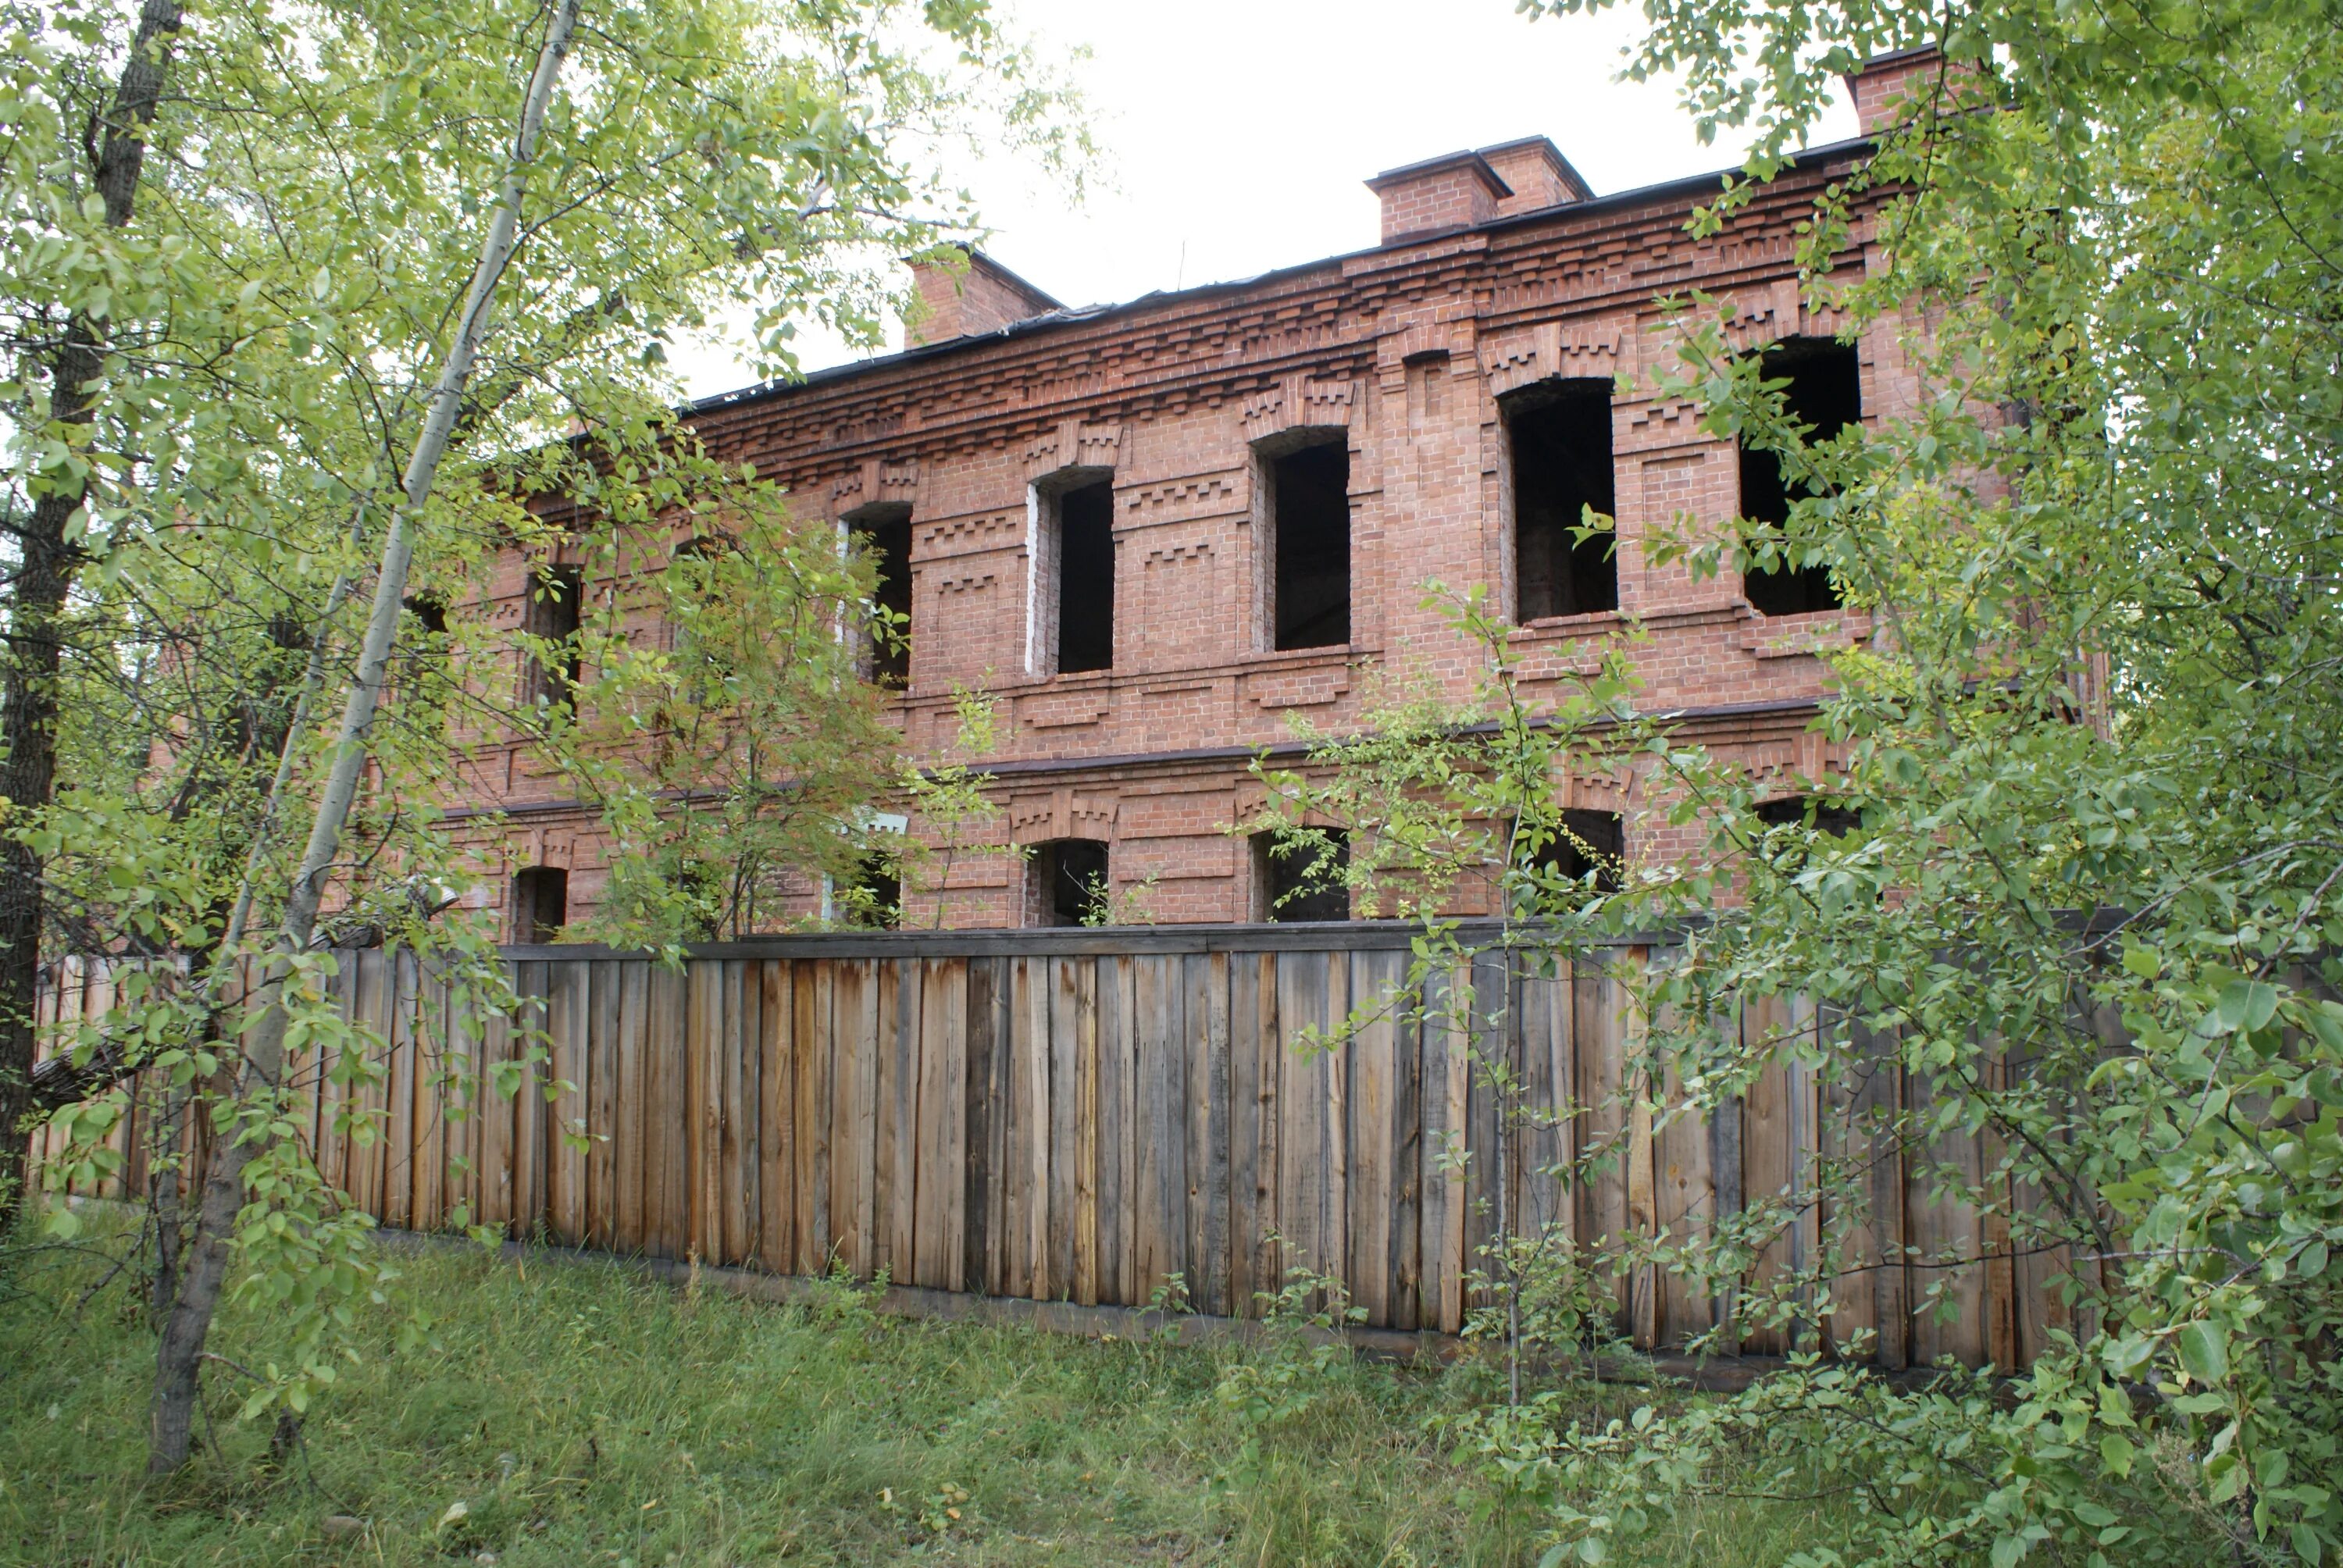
33	652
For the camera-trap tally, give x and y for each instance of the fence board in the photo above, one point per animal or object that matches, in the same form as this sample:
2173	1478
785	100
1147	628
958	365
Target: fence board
567	1020
777	1208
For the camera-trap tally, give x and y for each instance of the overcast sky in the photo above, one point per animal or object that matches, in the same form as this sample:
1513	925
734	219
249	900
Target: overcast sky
1237	133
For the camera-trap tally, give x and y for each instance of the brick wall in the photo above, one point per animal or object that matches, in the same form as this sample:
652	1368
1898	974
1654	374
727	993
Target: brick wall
1400	352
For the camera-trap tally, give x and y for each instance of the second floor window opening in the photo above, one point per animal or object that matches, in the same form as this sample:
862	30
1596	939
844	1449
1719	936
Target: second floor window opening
885	530
1824	394
551	615
1073	573
1306	531
1558	434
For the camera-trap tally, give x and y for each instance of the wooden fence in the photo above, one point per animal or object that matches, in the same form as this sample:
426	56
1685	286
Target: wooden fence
1081	1116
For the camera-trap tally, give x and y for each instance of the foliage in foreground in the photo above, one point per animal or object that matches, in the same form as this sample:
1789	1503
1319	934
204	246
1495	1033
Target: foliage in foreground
569	1414
2080	879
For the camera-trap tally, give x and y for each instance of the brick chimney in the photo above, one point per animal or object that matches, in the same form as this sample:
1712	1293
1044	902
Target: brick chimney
1453	191
1886	84
980	297
1539	174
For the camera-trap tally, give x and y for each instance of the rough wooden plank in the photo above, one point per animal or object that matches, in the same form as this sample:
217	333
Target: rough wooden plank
1029	1198
601	1101
811	991
668	1194
939	1146
1301	1117
1684	1193
898	1129
320	1066
430	1062
1495	1154
1768	1152
494	1120
1205	977
1067	981
1945	1236
701	1019
632	1218
1106	1266
1882	1103
567	987
1252	1118
1163	1098
777	1207
1440	1224
1375	983
1405	1259
865	1037
1643	1175
1099	984
983	1118
399	1128
736	1097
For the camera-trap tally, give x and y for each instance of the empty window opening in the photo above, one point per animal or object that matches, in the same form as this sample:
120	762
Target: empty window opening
430	613
1073	573
1830	817
871	895
1824	394
556	598
1296	882
1586	844
540	904
886	533
1559	435
1066	883
1309	541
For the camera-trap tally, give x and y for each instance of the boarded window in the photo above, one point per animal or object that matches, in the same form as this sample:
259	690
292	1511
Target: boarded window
540	903
1073	565
885	530
1308	523
1826	395
1066	883
1295	883
1558	433
555	594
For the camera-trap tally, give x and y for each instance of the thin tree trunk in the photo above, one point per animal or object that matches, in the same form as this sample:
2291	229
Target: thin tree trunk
28	704
180	1355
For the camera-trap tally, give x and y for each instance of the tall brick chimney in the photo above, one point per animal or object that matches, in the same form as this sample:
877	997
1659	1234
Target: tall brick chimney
961	301
1539	174
1884	85
1455	190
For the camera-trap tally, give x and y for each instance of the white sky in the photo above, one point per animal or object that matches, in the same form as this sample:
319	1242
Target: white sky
1236	134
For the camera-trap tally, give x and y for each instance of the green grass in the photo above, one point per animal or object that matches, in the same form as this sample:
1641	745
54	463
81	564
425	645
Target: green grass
584	1417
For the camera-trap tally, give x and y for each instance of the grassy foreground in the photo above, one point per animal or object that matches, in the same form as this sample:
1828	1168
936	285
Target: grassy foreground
575	1416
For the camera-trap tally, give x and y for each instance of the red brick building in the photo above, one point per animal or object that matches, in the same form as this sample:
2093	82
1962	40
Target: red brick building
1155	530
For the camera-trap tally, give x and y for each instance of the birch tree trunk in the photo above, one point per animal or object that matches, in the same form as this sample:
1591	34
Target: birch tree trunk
28	704
180	1352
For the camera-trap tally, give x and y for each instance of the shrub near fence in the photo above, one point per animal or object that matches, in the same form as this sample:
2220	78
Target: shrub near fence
1083	1115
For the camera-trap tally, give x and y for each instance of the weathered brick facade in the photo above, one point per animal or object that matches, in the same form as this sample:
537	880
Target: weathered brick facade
1498	272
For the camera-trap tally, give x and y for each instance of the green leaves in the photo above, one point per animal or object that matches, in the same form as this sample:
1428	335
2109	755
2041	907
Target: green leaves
2205	1352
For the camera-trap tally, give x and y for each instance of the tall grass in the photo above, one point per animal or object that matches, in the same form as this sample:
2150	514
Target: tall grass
581	1416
